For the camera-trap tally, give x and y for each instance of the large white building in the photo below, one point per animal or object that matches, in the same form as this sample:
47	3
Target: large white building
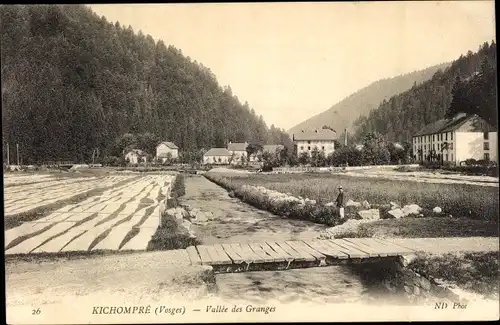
322	139
217	156
166	148
456	140
238	152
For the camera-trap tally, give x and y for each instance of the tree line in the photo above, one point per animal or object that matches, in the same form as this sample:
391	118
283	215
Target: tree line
72	83
468	85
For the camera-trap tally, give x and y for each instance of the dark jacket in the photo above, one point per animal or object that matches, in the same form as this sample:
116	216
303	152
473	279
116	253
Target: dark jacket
340	200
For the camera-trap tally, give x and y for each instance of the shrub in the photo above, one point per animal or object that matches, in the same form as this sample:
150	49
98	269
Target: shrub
178	190
311	212
460	200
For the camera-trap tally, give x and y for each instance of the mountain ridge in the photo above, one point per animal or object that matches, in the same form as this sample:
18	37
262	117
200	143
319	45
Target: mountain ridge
369	97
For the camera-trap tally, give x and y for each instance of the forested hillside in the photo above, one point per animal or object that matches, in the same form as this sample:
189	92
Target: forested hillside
470	79
342	115
73	82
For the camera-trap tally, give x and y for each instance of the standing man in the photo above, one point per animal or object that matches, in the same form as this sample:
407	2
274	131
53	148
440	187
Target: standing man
340	202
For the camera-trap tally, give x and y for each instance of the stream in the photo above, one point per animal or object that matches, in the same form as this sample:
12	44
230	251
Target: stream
238	222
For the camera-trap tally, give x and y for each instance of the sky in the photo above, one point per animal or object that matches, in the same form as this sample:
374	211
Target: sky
291	61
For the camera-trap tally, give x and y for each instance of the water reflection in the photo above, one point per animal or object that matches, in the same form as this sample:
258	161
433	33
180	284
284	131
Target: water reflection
335	284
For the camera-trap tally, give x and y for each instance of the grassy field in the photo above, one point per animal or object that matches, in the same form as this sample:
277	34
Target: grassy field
459	200
426	228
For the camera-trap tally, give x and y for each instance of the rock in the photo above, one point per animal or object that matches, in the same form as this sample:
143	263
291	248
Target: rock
372	214
186	224
365	205
407	259
424	283
416	291
394	205
396	213
350	203
231	194
411	209
407	289
437	210
209	215
330	204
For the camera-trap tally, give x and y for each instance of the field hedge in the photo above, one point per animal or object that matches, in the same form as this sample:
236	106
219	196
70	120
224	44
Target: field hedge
312	212
458	200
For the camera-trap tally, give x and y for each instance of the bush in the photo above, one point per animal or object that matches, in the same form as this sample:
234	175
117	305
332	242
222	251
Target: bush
454	199
312	212
178	190
171	236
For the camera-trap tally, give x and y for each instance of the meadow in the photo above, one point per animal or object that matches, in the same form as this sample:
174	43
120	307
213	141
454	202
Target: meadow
467	210
458	200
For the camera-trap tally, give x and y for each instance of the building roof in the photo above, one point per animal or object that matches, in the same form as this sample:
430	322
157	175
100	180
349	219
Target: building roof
445	125
169	144
217	152
136	151
237	146
272	147
321	134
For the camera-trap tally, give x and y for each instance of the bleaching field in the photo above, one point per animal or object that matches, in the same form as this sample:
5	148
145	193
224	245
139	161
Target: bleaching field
123	217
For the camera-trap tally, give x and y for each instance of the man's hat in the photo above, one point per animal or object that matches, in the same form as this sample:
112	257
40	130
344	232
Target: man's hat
340	187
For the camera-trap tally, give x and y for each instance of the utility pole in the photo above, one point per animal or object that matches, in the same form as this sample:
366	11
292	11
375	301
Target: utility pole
345	138
17	147
8	158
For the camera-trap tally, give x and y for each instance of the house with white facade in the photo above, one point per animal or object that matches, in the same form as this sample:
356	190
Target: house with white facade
167	150
136	156
456	140
322	139
238	152
217	156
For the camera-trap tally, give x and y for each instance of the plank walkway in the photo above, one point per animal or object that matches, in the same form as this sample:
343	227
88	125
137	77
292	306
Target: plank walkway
283	255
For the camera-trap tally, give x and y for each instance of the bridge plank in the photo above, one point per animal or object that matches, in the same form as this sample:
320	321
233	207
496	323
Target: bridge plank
222	254
307	248
193	255
205	257
367	250
366	247
401	250
385	250
382	249
261	253
244	256
292	252
321	247
304	253
237	259
250	255
216	258
352	252
286	256
269	251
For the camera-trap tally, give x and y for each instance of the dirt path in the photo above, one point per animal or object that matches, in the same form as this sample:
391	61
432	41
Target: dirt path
238	222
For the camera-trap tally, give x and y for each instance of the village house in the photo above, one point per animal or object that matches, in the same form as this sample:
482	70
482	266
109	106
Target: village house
165	150
322	139
238	152
456	140
217	156
136	156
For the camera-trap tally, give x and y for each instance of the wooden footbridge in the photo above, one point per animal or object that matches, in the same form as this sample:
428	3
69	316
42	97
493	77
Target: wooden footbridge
284	255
